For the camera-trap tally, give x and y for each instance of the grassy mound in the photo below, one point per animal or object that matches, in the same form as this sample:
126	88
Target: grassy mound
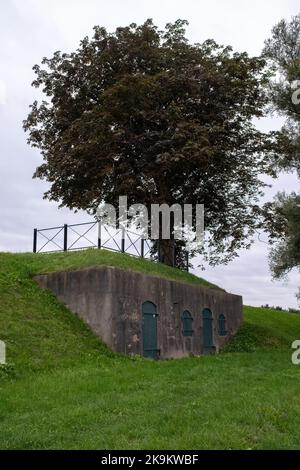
265	328
62	388
30	264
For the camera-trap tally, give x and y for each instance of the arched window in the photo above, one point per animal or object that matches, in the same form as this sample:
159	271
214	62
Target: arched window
187	323
222	325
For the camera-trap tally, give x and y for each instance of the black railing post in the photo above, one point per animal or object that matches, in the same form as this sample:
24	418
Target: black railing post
65	237
174	255
187	260
99	234
123	240
142	247
35	232
158	251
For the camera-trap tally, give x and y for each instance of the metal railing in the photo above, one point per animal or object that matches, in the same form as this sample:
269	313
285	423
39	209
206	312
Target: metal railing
90	235
95	234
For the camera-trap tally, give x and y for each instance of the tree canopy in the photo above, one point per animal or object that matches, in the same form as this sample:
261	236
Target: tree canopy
283	215
283	52
142	112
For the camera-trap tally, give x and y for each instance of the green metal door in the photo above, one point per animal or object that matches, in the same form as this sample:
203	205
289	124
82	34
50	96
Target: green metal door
150	330
208	345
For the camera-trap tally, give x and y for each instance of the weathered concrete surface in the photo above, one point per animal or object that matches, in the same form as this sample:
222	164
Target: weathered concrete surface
110	301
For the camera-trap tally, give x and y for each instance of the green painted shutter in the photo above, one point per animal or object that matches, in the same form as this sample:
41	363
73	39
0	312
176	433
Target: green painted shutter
222	325
149	330
187	323
208	345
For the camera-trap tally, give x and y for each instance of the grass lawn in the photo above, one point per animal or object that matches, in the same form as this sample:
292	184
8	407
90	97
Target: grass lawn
63	389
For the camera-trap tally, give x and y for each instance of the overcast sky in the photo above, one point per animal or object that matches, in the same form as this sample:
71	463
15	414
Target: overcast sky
32	29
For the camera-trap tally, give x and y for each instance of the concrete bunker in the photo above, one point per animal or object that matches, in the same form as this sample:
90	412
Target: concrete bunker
135	313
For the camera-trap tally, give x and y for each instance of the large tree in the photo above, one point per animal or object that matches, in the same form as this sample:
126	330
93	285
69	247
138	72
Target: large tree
144	113
283	215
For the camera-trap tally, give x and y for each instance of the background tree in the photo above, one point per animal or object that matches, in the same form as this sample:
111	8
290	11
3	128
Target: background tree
283	215
283	53
285	227
144	113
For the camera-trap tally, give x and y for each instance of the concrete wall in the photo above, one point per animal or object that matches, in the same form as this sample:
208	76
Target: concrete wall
110	301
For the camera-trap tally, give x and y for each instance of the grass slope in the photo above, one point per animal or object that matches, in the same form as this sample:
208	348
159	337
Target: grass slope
62	388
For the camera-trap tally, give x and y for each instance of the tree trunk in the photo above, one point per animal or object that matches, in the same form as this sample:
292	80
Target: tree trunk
166	252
